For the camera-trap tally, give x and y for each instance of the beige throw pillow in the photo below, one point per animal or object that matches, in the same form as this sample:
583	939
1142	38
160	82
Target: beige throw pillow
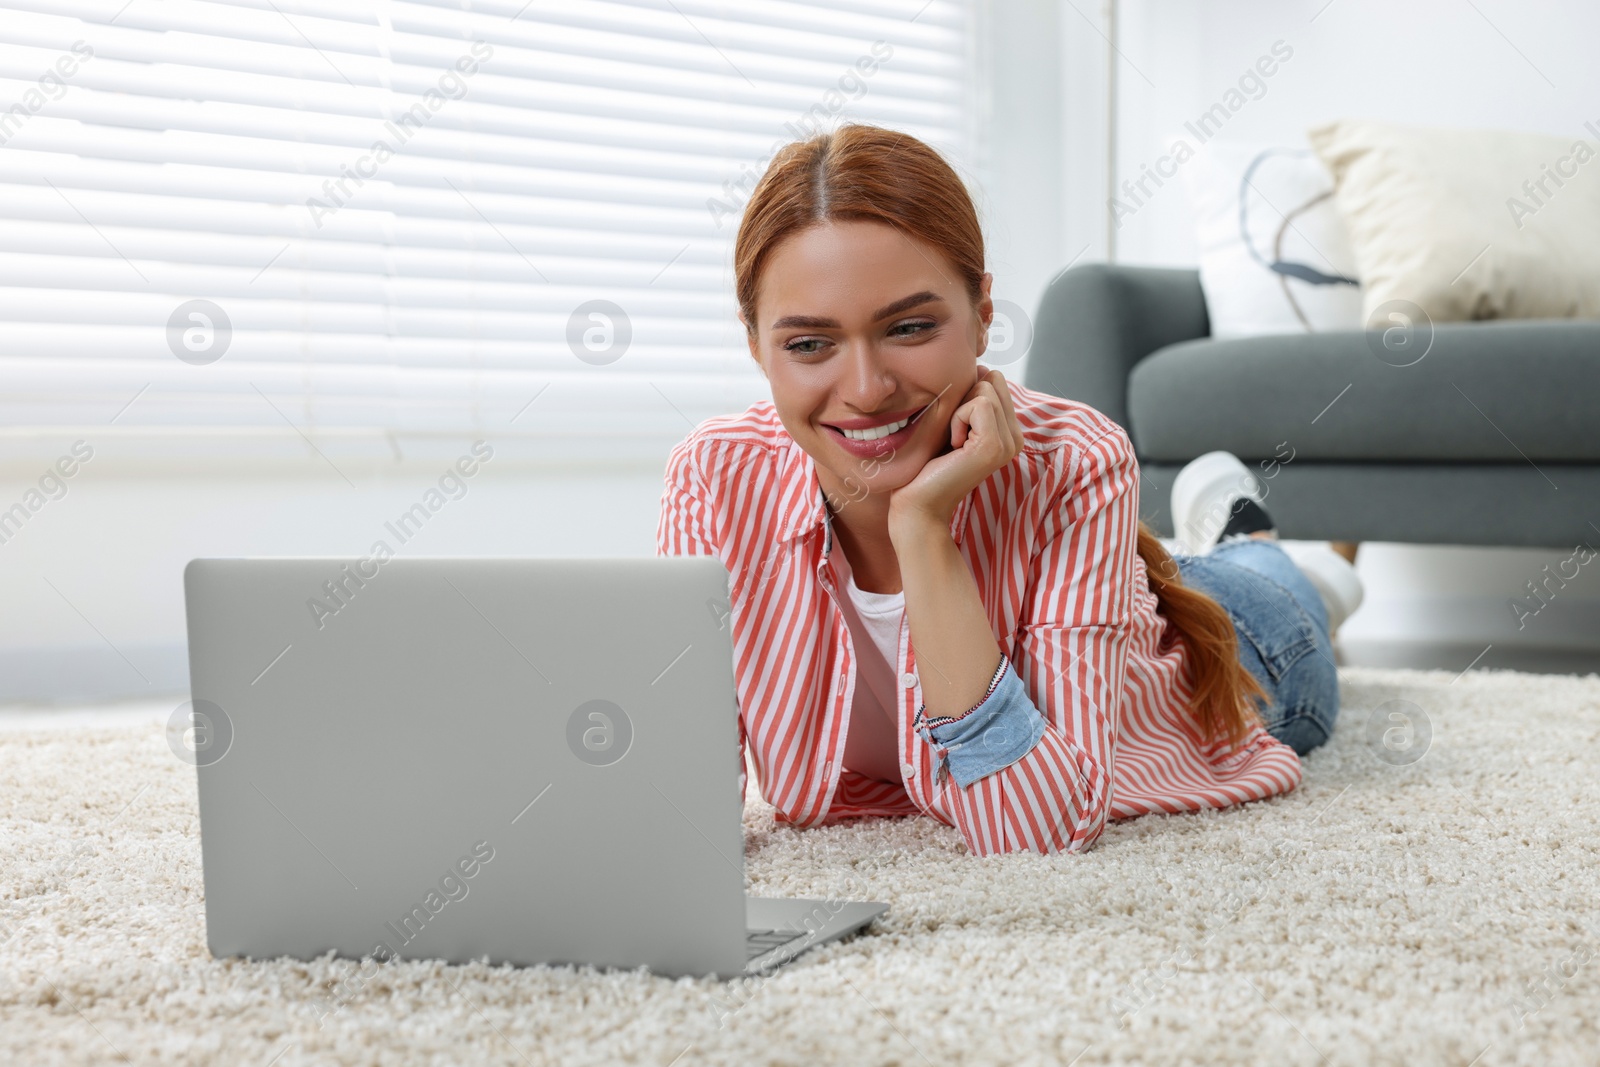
1468	224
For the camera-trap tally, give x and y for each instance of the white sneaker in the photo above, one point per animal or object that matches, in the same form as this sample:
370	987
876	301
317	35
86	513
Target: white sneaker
1334	577
1203	495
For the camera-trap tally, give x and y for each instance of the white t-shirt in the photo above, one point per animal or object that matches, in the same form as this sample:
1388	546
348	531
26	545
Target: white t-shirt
872	743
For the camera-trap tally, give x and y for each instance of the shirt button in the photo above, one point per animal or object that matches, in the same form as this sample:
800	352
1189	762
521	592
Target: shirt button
908	770
908	680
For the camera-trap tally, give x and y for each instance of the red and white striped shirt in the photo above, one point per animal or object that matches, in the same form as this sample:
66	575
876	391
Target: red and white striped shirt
1050	538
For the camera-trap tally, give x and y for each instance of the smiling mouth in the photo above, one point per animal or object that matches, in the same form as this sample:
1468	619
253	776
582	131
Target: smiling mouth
873	433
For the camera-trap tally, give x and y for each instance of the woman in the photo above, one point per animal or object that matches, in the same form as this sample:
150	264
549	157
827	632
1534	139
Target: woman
943	602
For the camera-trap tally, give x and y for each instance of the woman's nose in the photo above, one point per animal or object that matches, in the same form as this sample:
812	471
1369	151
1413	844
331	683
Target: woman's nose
867	382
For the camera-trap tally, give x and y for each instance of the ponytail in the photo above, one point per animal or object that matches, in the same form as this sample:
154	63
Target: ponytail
1223	703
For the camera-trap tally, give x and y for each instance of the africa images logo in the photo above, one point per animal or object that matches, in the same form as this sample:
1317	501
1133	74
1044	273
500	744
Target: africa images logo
599	732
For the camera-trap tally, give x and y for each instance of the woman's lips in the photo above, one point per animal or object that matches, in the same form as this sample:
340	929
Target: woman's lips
881	446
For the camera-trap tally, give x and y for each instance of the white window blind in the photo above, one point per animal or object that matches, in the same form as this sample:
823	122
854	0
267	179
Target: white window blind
225	218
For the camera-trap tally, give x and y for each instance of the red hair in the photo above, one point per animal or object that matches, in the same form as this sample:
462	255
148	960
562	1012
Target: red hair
868	173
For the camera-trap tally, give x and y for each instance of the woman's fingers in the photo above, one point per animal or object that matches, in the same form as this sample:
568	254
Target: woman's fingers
961	417
1002	421
982	415
1002	393
990	395
966	421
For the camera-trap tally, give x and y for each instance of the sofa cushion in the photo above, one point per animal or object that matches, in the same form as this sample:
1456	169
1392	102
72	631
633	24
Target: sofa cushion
1468	224
1487	391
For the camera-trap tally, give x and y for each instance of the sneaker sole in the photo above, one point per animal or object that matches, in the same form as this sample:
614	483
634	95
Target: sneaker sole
1202	495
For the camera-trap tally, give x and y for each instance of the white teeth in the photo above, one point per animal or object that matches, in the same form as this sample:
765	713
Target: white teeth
877	431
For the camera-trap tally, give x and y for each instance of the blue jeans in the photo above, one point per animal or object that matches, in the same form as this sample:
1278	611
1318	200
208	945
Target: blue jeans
1283	634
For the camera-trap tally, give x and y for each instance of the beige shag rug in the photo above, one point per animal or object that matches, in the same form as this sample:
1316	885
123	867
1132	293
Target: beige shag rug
1428	896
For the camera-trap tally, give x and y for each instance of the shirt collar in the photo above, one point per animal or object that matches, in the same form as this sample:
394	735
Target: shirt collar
804	507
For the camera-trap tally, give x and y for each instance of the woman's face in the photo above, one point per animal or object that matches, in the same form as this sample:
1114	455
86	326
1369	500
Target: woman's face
860	326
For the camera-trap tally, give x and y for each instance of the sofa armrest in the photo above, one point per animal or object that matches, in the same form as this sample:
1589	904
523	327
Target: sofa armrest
1097	321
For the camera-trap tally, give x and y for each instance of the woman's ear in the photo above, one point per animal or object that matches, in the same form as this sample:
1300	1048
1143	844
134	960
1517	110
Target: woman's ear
985	310
750	339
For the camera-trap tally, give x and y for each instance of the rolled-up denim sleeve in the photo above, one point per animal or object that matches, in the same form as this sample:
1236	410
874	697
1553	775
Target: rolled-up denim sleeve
989	738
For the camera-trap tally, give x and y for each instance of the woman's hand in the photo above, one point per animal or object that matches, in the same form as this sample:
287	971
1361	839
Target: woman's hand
984	436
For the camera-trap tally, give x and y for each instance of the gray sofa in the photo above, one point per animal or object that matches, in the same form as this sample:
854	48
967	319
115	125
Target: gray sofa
1491	438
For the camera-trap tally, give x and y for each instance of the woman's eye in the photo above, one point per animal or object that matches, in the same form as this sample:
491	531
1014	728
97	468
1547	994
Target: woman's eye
799	343
911	328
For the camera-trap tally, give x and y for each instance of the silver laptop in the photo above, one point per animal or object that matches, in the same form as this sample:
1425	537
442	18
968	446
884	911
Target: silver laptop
524	760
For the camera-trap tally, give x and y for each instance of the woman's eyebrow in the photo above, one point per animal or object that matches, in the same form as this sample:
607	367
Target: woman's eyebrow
905	303
814	322
806	322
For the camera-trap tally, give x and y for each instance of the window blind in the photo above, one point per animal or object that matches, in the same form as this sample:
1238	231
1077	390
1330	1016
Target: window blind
414	217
